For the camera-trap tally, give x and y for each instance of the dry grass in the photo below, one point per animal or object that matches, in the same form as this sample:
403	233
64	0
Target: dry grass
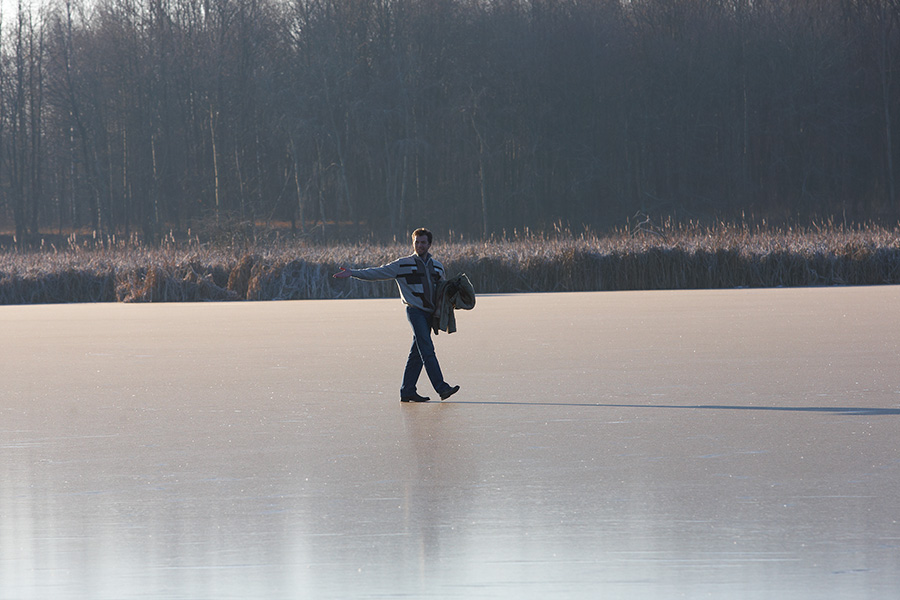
642	257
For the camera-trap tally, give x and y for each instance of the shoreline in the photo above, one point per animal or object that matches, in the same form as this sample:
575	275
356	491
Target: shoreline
724	258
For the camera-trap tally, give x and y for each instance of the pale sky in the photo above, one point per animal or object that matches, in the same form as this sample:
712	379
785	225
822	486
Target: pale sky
10	7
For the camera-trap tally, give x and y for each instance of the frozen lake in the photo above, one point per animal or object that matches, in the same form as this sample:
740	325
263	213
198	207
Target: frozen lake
648	445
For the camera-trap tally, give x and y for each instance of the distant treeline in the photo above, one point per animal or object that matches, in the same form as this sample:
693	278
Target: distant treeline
476	116
644	257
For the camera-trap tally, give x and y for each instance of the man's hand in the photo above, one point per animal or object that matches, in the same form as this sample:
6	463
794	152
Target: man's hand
342	274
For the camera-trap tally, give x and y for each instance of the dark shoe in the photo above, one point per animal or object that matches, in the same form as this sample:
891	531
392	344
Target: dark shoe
414	398
449	392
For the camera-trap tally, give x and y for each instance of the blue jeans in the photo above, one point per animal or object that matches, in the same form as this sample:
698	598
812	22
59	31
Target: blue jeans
421	354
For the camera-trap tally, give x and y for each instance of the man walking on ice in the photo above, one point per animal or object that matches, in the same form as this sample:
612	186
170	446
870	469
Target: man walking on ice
417	276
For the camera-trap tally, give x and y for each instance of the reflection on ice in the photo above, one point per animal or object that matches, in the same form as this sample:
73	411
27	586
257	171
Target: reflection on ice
156	451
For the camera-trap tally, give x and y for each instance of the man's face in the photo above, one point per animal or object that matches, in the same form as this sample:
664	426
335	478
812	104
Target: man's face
421	245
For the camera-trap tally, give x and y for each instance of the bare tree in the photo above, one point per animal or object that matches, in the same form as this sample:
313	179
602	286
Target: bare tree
480	115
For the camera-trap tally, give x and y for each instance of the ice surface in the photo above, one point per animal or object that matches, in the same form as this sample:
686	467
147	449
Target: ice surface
701	444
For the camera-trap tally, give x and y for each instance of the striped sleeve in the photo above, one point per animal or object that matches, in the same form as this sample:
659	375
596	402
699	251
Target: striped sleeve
388	271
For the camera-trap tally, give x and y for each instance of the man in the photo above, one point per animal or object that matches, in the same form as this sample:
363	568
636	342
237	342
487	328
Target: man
417	276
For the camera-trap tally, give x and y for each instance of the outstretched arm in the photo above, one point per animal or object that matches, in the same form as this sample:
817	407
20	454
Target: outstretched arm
388	271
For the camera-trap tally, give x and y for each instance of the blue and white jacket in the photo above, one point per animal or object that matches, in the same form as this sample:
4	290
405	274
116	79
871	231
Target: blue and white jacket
410	273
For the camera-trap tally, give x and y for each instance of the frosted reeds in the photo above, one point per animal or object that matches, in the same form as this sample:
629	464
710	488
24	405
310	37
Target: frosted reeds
667	256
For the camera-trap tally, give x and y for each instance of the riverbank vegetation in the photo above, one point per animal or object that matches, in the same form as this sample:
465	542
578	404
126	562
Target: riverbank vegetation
640	256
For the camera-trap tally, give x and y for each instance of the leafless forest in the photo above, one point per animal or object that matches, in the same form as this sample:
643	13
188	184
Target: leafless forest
137	117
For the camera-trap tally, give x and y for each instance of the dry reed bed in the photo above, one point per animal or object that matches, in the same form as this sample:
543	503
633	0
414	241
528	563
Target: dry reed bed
666	257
